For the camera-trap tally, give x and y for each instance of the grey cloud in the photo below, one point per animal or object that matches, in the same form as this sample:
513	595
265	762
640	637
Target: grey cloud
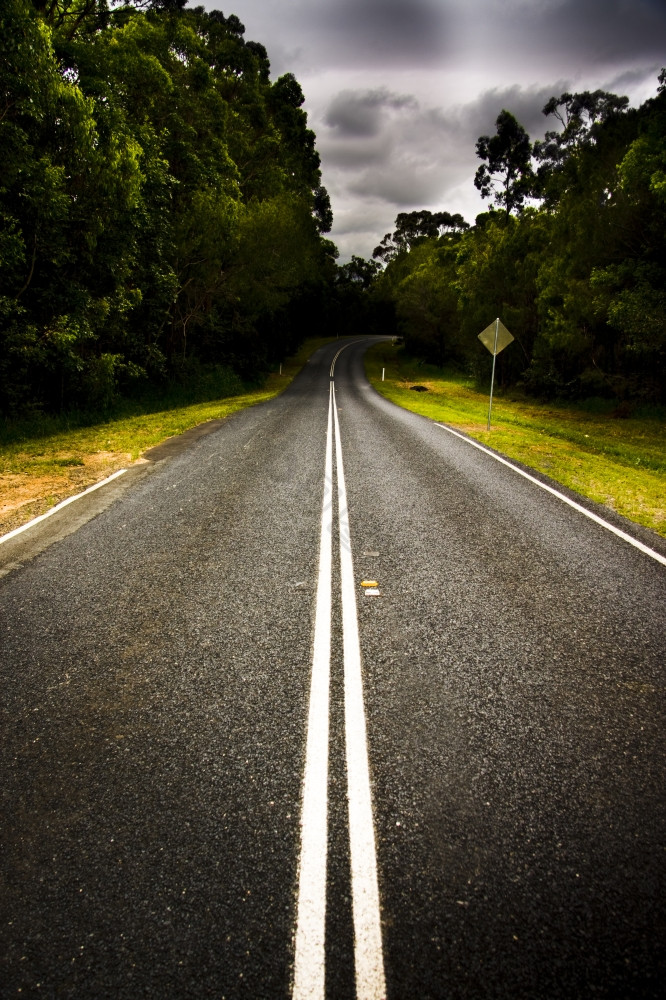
347	33
401	185
361	113
508	37
419	157
390	32
384	151
355	156
525	103
631	80
567	32
422	157
363	219
388	147
607	30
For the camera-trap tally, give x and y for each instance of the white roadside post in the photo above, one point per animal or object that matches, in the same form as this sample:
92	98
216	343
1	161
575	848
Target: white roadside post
495	337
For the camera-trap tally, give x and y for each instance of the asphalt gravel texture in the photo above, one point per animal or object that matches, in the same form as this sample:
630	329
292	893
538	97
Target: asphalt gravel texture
156	645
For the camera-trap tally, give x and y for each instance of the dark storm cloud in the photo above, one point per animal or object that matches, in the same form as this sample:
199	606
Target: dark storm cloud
634	79
417	156
390	32
354	113
564	36
399	91
607	31
376	138
600	32
397	150
525	103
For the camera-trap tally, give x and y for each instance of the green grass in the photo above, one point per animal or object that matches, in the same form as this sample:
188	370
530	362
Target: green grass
620	463
43	461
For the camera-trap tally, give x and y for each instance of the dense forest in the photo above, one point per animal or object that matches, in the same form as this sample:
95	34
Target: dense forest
571	256
161	207
162	219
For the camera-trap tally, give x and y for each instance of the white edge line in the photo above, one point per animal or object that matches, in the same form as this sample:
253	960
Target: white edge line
368	954
561	496
310	937
59	506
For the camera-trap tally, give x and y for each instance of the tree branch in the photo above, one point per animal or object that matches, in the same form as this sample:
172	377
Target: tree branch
32	269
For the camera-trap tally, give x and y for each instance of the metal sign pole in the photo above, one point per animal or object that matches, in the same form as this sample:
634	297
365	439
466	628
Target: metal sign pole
492	378
495	338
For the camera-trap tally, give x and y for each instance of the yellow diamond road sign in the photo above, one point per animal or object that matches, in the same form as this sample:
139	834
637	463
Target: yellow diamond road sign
495	330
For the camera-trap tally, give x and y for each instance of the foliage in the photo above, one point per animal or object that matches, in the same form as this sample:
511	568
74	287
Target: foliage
353	307
161	211
578	280
507	154
160	200
496	275
414	227
581	117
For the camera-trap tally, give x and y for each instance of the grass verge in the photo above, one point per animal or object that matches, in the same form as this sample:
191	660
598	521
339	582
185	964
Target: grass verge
42	465
620	463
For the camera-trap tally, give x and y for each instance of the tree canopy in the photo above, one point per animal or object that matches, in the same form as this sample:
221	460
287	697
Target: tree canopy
579	276
162	211
507	170
161	204
413	227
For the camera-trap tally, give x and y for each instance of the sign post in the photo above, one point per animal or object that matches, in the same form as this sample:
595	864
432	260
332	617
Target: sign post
495	337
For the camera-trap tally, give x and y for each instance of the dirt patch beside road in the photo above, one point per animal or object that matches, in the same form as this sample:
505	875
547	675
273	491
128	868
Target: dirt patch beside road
26	495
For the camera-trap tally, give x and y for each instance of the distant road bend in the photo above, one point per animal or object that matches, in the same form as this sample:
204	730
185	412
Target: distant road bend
332	704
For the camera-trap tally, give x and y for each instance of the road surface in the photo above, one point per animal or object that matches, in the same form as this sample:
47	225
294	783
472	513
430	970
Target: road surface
229	771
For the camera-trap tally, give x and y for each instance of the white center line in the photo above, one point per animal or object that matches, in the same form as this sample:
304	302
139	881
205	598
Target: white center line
310	938
310	959
343	348
368	956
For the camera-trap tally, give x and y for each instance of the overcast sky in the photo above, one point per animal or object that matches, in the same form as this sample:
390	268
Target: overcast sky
398	91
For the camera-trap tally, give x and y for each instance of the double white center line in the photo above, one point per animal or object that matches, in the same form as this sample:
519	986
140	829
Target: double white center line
310	957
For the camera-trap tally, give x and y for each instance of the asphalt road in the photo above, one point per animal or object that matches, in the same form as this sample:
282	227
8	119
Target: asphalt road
157	652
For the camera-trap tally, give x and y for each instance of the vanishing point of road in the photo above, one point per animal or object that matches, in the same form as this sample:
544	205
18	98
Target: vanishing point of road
229	769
